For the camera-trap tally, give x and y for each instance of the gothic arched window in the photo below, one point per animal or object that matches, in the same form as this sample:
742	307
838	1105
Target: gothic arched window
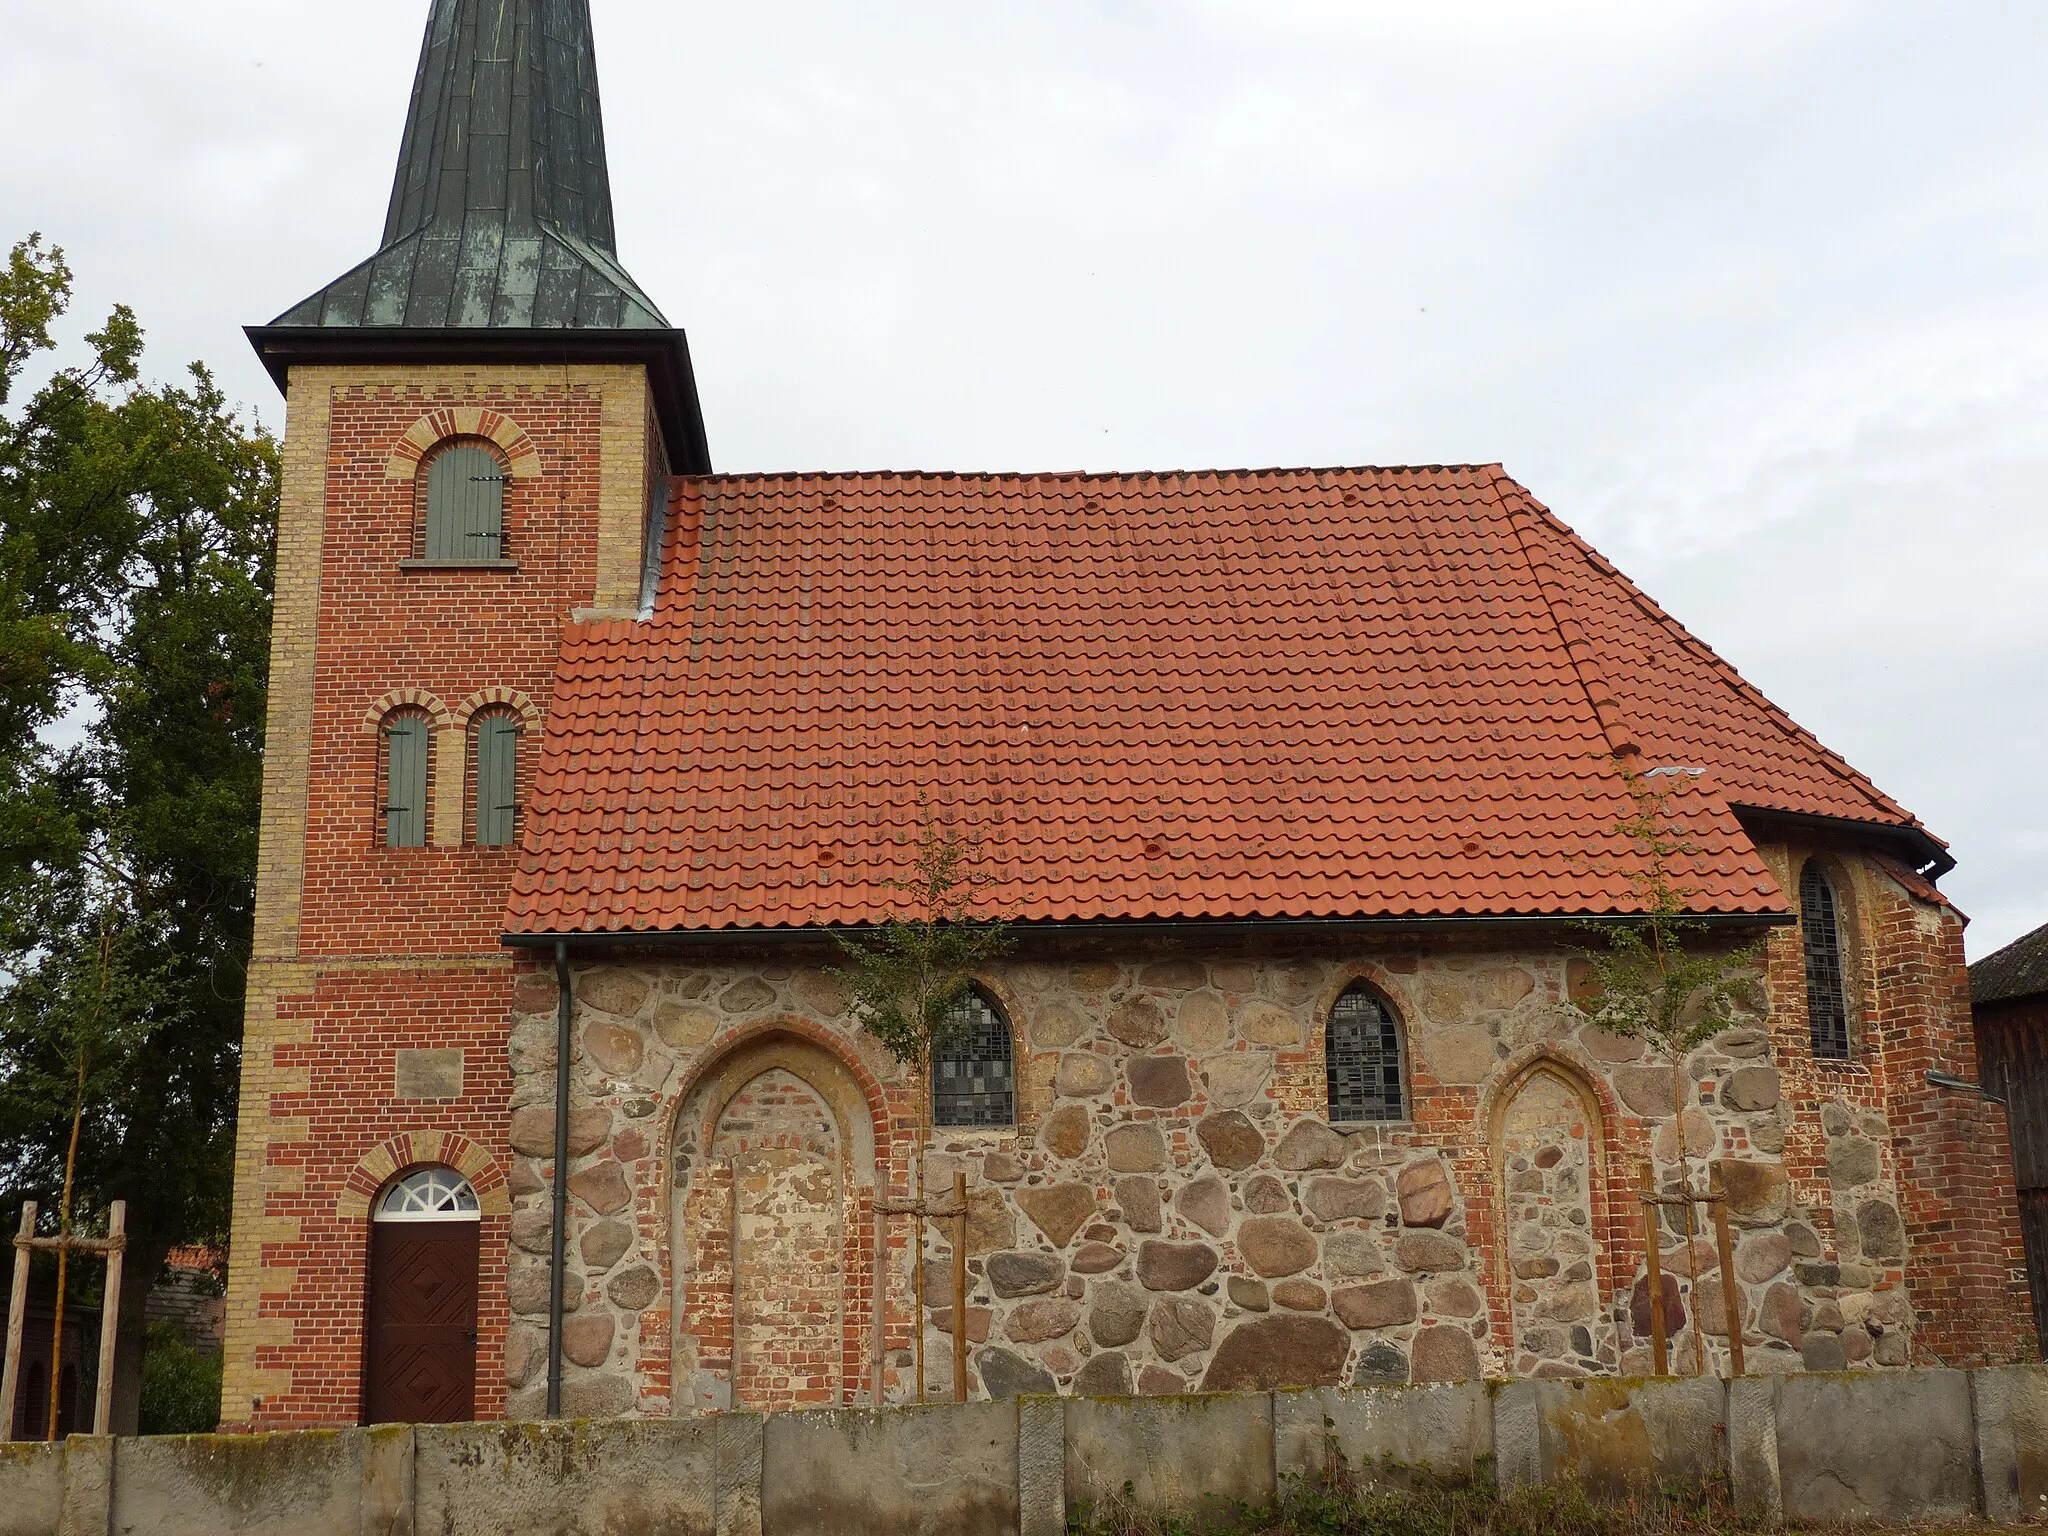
973	1078
1362	1057
465	518
1827	994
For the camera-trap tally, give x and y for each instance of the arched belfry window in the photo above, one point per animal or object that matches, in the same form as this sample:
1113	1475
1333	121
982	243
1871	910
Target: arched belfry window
1827	994
404	774
465	504
496	734
1362	1058
974	1078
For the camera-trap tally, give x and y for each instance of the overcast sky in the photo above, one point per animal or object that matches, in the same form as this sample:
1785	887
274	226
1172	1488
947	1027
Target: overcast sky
1752	295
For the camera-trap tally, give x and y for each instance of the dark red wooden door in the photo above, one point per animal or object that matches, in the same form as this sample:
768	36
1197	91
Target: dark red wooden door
420	1365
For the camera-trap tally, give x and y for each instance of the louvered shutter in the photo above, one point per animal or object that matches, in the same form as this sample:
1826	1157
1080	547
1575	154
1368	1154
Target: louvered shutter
465	506
497	778
405	782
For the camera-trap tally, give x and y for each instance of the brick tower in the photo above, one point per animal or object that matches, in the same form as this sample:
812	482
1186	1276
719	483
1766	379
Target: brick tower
479	419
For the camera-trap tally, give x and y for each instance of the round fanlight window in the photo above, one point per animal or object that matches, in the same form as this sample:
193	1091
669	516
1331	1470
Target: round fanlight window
430	1194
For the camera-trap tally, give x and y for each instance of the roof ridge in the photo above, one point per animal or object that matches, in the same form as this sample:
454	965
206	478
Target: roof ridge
1573	645
1721	666
1492	468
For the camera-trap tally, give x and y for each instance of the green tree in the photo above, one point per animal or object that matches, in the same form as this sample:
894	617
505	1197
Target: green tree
137	526
904	980
1662	978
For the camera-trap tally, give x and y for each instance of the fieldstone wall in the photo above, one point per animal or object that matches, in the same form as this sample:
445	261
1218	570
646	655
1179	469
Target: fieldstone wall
1173	1211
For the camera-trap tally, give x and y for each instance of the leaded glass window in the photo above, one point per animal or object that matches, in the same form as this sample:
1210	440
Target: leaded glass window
1362	1056
1827	997
465	505
405	781
497	778
973	1080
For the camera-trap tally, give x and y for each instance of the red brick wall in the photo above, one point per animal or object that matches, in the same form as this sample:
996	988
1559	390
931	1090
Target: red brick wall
452	632
402	944
1946	1151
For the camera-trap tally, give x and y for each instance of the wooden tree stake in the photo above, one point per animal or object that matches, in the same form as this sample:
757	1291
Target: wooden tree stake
1649	1183
960	1288
110	1316
17	1312
111	1247
1731	1288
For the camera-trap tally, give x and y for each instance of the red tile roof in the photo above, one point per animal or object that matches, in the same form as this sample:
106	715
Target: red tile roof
1347	693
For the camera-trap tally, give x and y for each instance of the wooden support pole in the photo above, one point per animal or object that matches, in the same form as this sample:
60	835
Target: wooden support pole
1649	1183
1692	1273
1731	1287
110	1316
960	1288
17	1311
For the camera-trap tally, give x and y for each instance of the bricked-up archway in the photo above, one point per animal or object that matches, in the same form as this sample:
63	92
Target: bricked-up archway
772	1230
1555	1248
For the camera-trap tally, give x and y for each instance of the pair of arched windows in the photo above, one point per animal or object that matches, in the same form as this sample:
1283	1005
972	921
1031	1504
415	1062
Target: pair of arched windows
463	488
1827	989
493	760
974	1077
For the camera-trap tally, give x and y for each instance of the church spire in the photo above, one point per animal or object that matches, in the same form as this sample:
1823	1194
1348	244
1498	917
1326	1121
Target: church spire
501	211
505	124
498	242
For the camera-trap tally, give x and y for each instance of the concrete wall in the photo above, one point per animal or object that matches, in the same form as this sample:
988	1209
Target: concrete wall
1910	1445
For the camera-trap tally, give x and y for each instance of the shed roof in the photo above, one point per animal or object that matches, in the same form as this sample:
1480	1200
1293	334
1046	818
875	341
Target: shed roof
2016	971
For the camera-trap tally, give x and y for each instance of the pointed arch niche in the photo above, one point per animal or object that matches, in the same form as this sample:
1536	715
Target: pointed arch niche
1547	1135
772	1230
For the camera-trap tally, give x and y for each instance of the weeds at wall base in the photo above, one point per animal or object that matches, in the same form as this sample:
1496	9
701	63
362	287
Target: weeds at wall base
1406	1501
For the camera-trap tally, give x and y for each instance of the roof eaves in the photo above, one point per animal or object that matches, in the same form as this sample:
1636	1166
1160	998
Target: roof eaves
1188	929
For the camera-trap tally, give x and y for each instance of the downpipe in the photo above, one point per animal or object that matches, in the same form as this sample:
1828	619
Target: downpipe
558	1238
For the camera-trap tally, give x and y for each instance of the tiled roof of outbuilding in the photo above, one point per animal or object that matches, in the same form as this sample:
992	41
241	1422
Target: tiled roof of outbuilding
2018	970
1350	693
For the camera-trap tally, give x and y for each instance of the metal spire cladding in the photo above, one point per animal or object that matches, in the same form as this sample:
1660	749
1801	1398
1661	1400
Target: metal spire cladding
498	243
501	211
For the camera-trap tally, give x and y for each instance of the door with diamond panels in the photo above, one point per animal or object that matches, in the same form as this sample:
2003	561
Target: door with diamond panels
420	1353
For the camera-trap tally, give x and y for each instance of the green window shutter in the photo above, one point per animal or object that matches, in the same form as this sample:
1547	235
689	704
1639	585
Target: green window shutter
497	779
405	782
465	506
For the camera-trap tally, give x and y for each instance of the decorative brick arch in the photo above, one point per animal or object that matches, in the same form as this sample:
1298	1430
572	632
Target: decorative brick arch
496	698
1382	981
407	698
522	459
821	1060
1603	1114
415	1149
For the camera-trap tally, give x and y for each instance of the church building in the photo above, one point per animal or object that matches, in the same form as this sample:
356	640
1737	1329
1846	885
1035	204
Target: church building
1298	789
